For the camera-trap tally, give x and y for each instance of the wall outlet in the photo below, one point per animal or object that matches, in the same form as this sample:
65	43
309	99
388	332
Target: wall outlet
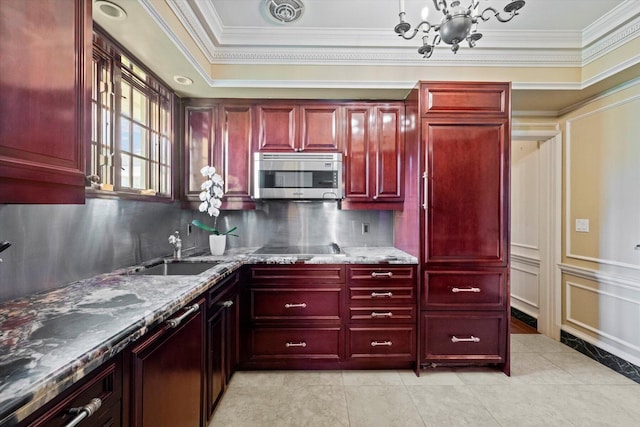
365	228
582	225
189	230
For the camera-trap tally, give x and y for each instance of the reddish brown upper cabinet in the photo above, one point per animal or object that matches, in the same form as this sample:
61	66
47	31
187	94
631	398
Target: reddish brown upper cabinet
199	143
45	118
374	154
219	135
296	127
465	146
236	121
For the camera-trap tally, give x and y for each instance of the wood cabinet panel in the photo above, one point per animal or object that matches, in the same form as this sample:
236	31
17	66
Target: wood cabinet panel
277	275
167	373
380	274
456	337
465	290
235	155
374	155
320	128
199	143
298	303
278	127
45	116
477	98
383	294
383	314
292	343
383	343
467	199
105	384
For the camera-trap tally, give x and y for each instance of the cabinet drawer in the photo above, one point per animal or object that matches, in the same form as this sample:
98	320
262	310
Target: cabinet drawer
287	303
383	294
296	342
390	314
105	384
381	342
466	290
470	336
290	274
380	274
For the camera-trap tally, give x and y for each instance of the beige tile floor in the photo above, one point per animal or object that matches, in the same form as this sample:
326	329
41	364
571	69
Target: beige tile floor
550	385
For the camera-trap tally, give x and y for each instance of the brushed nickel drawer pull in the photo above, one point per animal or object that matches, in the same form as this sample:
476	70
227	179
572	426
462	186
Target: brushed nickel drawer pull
472	289
381	343
296	344
296	305
227	304
383	274
84	411
375	314
455	339
381	294
173	323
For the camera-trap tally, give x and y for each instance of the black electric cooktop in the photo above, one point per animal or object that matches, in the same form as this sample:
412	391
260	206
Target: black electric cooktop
285	250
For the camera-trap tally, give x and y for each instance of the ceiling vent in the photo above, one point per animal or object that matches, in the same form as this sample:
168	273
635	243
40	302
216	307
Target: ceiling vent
284	11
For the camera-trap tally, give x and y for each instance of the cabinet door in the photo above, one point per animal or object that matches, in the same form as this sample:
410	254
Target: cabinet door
45	116
357	184
216	360
374	154
467	172
235	155
168	372
388	152
200	125
320	129
278	129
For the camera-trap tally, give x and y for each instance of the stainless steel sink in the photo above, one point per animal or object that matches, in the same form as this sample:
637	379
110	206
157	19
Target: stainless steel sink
177	268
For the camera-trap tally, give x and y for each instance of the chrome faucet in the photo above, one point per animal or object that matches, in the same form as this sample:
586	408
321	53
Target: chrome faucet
4	245
176	242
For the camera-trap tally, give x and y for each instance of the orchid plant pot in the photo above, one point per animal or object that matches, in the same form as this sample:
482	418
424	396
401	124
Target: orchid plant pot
217	243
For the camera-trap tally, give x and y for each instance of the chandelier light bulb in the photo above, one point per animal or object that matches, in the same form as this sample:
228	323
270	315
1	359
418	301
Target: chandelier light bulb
458	23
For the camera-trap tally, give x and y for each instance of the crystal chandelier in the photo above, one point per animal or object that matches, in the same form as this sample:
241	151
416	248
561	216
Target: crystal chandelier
457	24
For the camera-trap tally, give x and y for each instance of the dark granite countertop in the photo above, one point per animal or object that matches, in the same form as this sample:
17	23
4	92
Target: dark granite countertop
50	340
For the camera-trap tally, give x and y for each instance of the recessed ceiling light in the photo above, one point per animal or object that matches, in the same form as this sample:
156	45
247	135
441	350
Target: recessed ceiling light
183	80
111	10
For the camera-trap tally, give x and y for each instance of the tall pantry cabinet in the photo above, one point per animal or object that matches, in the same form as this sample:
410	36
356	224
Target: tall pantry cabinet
464	155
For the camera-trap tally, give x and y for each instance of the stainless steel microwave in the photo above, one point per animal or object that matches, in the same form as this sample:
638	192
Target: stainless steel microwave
297	176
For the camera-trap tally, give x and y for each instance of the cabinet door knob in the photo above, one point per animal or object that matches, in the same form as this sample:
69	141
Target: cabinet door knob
455	339
227	304
173	323
296	344
296	305
469	289
381	343
381	294
381	274
375	314
84	411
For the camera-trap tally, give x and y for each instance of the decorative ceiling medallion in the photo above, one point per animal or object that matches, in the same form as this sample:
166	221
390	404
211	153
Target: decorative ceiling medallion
284	11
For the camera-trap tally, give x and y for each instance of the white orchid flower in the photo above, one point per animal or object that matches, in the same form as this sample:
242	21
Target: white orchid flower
208	171
206	185
213	211
216	203
204	196
203	207
217	179
217	191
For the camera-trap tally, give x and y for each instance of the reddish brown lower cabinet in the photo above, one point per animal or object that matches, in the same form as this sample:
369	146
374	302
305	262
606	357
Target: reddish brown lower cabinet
382	321
330	317
454	337
222	339
101	387
166	372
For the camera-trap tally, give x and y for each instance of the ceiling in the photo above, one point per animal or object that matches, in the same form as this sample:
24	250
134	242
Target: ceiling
346	49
